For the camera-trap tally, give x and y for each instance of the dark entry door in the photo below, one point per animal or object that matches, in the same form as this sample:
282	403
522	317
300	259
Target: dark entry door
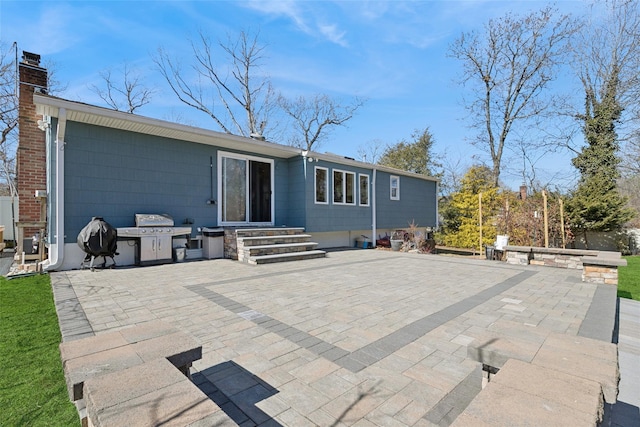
259	191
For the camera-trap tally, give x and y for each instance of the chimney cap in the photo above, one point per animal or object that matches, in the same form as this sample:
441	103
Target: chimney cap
31	58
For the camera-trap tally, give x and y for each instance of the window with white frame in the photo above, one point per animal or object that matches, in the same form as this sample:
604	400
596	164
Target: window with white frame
395	187
322	185
364	189
344	187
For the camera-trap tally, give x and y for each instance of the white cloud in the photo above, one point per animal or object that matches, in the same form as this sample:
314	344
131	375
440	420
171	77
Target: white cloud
47	32
287	8
304	15
333	34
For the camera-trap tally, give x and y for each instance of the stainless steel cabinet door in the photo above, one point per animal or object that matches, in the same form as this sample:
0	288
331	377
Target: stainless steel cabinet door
148	248
163	248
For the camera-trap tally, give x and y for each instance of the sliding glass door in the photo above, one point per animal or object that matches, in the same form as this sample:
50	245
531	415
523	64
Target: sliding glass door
245	189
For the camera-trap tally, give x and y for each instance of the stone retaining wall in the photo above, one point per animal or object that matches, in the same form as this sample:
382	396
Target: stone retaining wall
597	266
230	244
549	257
600	274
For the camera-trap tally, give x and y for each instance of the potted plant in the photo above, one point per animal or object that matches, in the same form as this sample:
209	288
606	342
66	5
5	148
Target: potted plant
397	240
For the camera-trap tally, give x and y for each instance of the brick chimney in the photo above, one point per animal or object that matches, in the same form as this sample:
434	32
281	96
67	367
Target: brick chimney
523	192
31	167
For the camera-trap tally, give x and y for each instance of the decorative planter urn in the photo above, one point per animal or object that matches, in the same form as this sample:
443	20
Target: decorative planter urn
396	245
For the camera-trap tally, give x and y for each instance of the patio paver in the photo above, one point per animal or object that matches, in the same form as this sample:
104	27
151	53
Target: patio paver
362	336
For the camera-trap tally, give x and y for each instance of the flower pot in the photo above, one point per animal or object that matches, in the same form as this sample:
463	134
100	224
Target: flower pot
396	245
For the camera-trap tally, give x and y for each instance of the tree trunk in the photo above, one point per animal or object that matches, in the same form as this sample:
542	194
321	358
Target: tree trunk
586	242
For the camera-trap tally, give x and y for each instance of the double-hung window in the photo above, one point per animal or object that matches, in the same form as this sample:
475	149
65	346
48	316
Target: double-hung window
364	189
394	187
322	185
344	187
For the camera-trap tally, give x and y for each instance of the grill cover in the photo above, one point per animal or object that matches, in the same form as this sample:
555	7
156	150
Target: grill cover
98	238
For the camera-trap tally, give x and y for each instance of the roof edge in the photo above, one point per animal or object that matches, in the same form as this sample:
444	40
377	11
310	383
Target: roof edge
56	103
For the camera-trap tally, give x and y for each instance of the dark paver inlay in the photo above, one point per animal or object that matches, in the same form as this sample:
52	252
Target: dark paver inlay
599	320
445	412
72	318
374	352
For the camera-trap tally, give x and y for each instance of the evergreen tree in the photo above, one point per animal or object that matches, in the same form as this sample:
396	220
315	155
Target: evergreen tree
596	204
413	156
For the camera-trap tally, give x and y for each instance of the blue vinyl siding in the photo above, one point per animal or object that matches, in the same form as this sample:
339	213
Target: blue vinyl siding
298	194
281	192
417	202
332	217
116	174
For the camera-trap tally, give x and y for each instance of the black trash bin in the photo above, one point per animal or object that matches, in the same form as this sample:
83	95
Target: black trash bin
489	251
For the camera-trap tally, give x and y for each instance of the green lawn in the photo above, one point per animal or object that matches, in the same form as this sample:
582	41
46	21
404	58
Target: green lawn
32	387
629	279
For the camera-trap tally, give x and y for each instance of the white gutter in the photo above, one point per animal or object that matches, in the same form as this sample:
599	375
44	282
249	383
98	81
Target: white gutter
374	217
56	257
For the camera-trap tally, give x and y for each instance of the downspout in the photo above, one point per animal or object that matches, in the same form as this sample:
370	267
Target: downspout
374	217
437	204
304	161
56	257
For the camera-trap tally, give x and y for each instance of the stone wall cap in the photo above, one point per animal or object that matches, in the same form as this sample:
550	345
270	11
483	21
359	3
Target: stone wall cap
607	262
536	249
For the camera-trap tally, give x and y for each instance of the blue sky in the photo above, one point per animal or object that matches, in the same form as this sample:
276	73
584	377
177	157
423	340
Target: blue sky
392	53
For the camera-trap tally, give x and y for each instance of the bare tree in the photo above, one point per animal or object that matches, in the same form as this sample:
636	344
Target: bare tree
631	159
8	100
9	111
607	62
314	117
453	170
508	68
226	93
8	116
123	93
371	151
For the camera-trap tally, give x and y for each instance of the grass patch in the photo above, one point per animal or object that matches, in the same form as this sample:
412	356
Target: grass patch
629	279
32	386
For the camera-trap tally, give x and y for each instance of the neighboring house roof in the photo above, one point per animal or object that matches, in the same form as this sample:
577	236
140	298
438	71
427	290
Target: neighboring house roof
52	106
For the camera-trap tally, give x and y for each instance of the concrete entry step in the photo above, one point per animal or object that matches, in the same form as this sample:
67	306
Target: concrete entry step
272	240
274	231
280	248
269	245
292	256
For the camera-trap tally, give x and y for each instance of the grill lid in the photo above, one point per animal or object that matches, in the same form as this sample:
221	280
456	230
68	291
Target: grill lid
154	220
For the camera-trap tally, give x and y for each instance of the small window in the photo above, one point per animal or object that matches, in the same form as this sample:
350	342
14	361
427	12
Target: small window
395	187
344	187
364	190
322	185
